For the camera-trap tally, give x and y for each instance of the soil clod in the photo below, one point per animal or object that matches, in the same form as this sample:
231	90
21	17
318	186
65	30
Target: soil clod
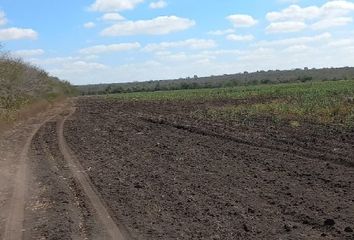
329	222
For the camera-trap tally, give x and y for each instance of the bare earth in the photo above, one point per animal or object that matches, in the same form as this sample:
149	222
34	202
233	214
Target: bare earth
99	169
14	173
45	192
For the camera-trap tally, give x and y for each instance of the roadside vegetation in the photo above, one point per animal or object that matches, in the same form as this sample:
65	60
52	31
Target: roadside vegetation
328	102
22	84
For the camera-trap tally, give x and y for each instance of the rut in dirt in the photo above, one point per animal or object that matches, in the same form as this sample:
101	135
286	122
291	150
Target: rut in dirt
15	164
79	173
14	224
63	204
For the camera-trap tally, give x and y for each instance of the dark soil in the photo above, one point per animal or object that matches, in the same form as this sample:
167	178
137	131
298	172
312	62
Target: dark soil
165	174
57	208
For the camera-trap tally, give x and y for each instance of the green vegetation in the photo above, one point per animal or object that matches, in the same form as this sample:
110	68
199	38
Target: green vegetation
22	84
329	102
222	81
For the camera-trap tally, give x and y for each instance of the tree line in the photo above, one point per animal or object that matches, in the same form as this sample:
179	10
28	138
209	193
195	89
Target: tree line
221	81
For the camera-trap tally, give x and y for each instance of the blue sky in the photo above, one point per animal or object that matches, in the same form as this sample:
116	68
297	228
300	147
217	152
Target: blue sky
103	41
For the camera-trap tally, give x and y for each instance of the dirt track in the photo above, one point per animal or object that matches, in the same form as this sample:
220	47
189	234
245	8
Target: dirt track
79	173
61	202
133	170
64	205
15	144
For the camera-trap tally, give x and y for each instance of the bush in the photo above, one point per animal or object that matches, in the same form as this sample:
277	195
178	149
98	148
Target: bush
22	83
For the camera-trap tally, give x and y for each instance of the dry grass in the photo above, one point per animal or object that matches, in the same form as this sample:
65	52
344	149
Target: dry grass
25	89
27	112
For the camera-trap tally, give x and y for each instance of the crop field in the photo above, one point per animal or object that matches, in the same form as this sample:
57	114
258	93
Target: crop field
255	162
329	102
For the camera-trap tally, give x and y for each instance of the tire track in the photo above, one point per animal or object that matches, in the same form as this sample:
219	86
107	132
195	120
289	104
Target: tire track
112	229
53	210
13	229
14	223
192	129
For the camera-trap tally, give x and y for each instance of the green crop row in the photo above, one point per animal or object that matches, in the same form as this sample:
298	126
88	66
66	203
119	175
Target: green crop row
345	87
330	102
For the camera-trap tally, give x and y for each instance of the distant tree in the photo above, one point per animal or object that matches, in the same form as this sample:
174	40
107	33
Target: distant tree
184	85
118	89
194	85
157	86
265	81
108	89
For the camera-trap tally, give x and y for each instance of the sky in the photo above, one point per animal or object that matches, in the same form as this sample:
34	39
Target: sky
106	41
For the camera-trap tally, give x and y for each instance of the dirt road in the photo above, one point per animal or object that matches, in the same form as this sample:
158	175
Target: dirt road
45	191
15	144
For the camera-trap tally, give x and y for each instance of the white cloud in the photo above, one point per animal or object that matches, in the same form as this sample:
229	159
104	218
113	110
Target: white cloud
17	34
114	5
240	20
258	54
74	68
62	60
332	22
337	8
294	13
235	37
29	52
221	32
99	49
82	65
78	68
295	18
222	52
3	19
89	25
157	26
158	4
112	17
181	57
53	61
297	49
295	41
189	43
347	42
284	27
